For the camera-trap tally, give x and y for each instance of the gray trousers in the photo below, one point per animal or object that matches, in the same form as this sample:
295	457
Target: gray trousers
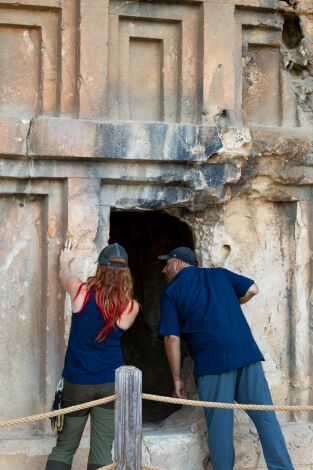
101	431
245	385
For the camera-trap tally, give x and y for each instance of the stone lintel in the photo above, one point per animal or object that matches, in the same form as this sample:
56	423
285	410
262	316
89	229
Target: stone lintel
69	138
268	4
150	187
57	138
35	3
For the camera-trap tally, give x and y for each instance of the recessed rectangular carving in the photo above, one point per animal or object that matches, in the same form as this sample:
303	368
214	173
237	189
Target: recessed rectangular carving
261	86
37	67
159	46
145	82
266	98
21	360
20	70
149	54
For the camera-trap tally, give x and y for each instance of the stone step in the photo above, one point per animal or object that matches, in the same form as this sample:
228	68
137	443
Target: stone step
169	449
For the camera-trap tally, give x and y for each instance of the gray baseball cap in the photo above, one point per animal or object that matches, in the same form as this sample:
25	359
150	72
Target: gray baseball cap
113	255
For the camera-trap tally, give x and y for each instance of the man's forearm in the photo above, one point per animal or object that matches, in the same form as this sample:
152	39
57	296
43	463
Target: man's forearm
172	351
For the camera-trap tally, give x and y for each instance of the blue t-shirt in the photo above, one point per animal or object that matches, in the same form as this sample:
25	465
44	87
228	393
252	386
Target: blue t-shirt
201	305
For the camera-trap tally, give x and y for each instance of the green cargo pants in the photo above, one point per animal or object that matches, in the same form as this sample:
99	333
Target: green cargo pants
101	430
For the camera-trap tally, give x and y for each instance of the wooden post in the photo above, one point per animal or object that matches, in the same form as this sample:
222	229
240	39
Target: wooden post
128	418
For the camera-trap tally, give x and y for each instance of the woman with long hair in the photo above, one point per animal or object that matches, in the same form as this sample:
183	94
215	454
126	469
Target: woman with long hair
103	308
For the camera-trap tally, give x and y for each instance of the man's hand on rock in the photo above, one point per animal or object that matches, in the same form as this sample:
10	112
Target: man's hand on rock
179	390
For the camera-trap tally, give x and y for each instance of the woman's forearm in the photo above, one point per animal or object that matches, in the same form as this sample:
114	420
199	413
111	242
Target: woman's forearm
64	272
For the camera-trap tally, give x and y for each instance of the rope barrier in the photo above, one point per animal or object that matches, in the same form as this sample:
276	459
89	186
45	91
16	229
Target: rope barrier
145	466
112	466
160	398
227	406
150	467
62	411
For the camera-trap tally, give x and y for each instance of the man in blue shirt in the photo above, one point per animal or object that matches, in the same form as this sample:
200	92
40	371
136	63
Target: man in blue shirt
202	306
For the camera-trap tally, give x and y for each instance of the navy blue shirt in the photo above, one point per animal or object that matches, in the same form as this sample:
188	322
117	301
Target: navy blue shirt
201	305
88	361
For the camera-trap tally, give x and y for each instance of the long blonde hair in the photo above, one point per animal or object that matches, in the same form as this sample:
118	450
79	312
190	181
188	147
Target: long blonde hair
113	290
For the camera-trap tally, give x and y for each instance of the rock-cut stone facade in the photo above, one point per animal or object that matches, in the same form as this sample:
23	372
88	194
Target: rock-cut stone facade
155	123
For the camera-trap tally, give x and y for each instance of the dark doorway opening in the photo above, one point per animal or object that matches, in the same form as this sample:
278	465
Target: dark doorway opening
145	235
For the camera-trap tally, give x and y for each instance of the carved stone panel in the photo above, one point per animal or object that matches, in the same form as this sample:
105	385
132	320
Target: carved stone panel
265	99
20	70
37	59
261	89
21	261
154	61
31	337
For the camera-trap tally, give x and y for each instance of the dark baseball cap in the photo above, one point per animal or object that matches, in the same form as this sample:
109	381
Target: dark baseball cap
183	253
113	255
